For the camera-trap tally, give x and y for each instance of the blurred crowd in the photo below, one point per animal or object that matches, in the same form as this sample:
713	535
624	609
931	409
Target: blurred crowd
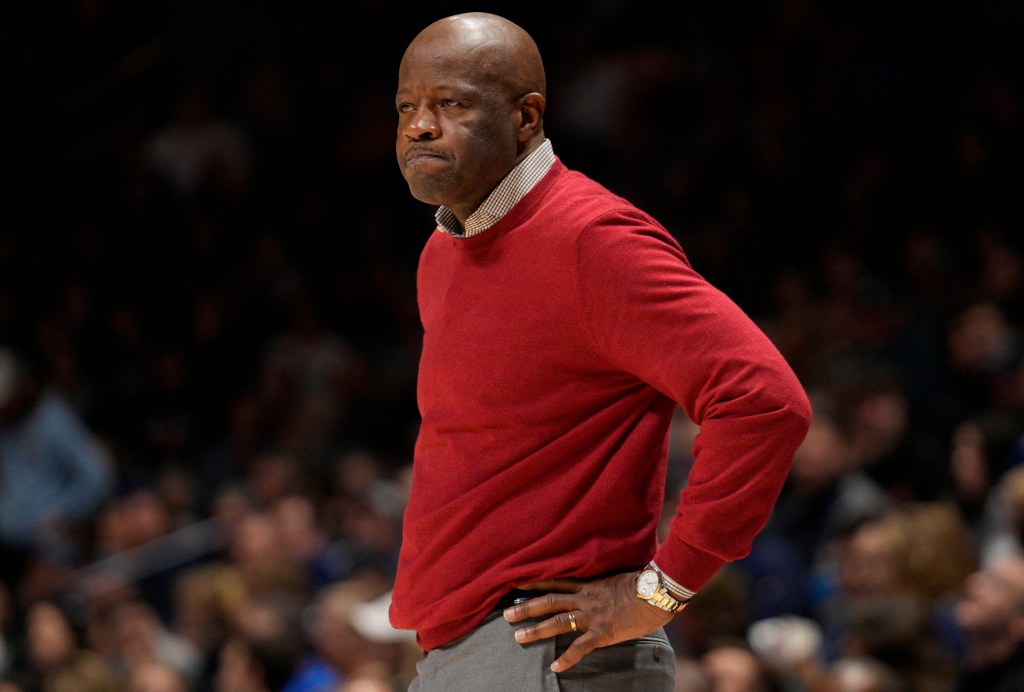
209	339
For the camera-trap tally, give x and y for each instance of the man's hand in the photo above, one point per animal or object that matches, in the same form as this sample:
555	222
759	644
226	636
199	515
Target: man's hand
606	611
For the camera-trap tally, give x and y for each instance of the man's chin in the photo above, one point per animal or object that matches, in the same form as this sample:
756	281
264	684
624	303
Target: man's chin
425	191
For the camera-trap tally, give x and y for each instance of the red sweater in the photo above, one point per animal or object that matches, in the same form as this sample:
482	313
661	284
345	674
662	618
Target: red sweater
555	347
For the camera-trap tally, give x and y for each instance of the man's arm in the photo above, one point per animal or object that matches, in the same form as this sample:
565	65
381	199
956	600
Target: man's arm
652	315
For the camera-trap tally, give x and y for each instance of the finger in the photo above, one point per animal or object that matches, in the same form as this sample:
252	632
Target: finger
542	605
548	604
562	623
580	647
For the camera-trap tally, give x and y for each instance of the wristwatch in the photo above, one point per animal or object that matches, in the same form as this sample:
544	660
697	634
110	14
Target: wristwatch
650	587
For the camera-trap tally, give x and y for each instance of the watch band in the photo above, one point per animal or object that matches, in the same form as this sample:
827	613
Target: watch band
663	600
675	589
659	596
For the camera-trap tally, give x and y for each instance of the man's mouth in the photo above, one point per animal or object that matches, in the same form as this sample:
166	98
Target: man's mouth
416	157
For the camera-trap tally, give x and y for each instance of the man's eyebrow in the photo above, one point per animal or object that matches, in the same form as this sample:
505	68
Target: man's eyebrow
446	87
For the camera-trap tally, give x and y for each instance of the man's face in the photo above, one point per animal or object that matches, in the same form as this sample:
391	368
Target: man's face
867	564
456	125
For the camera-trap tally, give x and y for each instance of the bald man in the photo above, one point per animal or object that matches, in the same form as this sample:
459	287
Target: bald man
562	328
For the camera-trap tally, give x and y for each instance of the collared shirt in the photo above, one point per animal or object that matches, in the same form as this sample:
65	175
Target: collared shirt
506	195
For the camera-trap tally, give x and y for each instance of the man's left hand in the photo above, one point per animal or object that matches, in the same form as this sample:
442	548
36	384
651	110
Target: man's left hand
607	611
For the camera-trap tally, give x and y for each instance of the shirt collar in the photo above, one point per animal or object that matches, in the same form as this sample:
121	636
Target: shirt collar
506	195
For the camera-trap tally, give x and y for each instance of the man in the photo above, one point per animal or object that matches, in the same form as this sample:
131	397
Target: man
991	615
562	327
54	471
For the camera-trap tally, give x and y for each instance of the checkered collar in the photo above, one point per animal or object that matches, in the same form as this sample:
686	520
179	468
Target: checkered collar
506	195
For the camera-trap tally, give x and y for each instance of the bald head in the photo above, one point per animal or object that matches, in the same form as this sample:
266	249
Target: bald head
500	50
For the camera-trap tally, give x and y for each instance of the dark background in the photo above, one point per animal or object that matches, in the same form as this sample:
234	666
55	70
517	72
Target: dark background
205	241
779	141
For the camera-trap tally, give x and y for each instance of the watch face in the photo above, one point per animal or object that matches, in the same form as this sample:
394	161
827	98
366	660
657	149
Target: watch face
647	583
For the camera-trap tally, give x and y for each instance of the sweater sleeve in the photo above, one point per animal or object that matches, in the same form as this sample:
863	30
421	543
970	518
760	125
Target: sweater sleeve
650	314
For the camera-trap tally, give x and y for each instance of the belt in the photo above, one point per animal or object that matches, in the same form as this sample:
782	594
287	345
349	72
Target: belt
511	598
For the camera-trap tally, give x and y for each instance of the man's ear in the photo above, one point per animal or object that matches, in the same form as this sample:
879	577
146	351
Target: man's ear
531	116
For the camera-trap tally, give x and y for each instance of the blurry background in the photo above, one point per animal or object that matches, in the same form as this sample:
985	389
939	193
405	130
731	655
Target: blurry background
207	251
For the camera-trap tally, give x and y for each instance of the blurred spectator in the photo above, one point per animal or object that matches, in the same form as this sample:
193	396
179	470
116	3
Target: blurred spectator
272	476
735	668
256	551
338	651
983	449
880	439
134	543
858	675
55	657
270	625
691	676
991	614
178	491
790	647
826	492
363	513
396	650
153	676
305	540
981	342
310	377
131	520
985	348
723	612
367	682
208	601
1006	536
231	338
898	630
868	568
198	149
909	563
54	472
260	665
129	633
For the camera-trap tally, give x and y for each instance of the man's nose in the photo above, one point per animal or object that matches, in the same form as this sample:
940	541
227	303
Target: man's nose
422	125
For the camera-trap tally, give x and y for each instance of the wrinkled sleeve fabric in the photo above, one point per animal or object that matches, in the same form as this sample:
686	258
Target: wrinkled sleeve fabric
651	314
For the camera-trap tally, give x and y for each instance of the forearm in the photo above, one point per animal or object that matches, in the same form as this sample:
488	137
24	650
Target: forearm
740	465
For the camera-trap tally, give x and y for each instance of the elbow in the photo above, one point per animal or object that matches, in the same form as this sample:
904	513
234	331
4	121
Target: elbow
802	409
799	412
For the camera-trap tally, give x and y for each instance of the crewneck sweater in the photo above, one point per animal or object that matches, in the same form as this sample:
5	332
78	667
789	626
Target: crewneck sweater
556	347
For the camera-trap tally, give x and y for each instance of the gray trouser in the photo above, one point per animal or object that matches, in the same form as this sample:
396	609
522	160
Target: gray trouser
488	659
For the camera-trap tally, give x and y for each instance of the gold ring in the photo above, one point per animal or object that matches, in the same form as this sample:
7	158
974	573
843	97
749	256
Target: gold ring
572	621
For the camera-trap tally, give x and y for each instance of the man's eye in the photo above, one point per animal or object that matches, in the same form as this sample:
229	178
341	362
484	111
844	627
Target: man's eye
449	103
405	108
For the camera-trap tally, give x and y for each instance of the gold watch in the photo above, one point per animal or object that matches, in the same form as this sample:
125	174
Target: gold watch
650	587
